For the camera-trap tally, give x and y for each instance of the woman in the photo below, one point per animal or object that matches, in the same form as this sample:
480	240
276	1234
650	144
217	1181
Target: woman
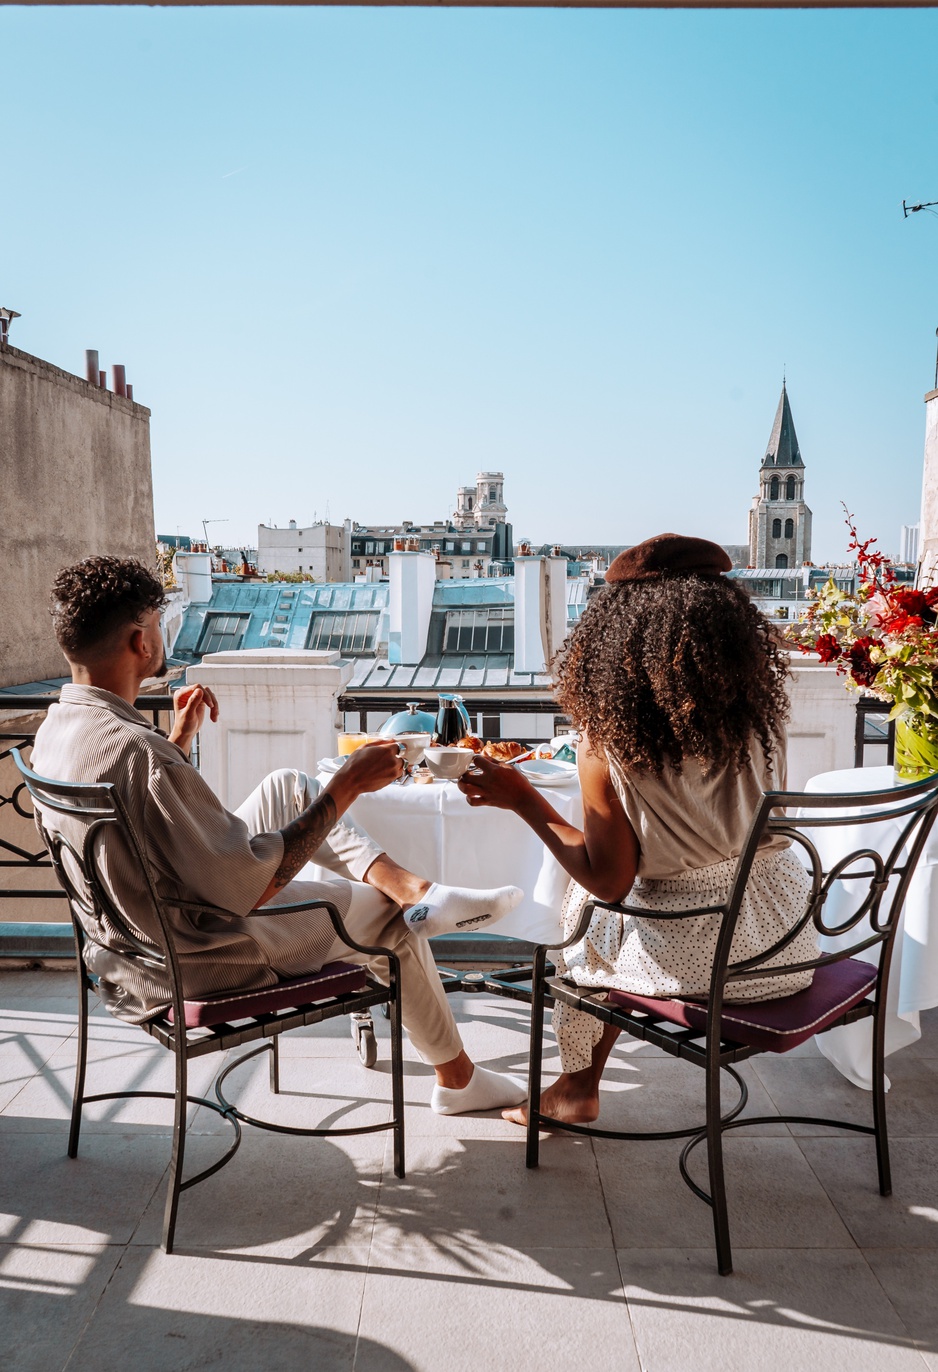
677	687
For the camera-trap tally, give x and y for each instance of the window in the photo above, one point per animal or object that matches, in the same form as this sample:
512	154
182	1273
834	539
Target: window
480	547
789	528
222	633
352	632
465	548
369	547
781	560
790	488
483	629
773	488
776	528
465	562
493	493
356	561
451	547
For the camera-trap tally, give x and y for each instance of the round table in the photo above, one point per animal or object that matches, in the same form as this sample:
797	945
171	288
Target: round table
913	980
433	830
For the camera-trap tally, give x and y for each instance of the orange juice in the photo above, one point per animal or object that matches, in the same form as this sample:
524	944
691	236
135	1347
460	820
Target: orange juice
349	742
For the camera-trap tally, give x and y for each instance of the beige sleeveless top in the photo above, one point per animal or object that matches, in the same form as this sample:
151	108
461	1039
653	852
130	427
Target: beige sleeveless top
697	817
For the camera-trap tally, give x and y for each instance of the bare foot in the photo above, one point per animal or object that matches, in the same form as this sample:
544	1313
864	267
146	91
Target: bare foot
573	1099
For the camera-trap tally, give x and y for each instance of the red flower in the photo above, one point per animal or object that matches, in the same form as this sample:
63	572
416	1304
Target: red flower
827	648
862	667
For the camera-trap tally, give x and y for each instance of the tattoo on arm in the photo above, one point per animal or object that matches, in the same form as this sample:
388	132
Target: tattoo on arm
303	836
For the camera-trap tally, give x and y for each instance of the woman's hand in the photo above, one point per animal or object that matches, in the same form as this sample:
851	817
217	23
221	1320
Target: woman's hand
495	783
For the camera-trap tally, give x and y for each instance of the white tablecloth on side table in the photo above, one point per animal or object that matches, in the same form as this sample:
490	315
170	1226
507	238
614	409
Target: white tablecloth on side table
913	980
435	832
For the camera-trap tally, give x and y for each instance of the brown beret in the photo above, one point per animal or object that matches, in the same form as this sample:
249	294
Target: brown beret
669	555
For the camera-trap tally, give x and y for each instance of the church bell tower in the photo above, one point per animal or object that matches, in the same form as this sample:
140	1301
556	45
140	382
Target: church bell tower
780	521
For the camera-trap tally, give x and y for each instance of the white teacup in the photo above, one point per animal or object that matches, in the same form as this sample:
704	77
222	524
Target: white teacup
413	746
447	764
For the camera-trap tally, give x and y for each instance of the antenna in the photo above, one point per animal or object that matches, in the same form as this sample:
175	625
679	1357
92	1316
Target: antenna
913	209
206	522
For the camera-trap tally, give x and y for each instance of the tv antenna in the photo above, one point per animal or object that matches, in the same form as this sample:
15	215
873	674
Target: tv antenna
206	522
913	209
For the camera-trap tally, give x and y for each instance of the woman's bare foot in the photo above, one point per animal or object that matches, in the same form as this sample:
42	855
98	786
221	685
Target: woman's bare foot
573	1099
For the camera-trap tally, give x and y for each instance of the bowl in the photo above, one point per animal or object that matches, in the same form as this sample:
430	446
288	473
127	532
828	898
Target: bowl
448	764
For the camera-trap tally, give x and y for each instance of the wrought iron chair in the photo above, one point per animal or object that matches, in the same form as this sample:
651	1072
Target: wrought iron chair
192	1028
715	1033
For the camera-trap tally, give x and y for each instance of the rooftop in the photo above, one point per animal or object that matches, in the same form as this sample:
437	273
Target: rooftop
308	1253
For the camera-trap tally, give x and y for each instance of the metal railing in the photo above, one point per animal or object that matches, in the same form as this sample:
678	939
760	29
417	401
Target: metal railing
25	940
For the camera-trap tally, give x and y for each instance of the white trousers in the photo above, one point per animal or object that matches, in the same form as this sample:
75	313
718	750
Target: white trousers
370	917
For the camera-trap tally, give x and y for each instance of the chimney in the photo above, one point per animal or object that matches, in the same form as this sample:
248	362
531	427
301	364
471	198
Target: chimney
412	578
120	378
540	611
91	366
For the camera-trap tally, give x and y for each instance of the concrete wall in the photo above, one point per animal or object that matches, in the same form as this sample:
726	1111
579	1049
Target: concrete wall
75	480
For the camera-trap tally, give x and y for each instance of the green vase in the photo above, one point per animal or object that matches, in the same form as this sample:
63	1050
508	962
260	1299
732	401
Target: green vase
916	755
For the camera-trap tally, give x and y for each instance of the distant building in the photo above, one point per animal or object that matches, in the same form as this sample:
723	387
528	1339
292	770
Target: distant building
780	521
465	546
319	550
908	543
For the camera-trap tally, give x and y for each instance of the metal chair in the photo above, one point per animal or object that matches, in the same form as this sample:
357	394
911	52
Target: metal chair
191	1028
715	1033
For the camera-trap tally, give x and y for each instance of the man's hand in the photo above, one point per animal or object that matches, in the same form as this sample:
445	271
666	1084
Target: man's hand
495	783
189	706
369	768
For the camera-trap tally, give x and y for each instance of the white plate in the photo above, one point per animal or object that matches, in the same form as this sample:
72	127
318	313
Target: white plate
331	764
542	772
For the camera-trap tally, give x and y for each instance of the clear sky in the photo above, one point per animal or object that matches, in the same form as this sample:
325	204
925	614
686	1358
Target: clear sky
352	257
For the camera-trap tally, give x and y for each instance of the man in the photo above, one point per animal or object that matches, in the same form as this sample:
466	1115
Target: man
106	613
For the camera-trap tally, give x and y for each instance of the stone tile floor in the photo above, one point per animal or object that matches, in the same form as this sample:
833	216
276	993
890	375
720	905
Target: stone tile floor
309	1254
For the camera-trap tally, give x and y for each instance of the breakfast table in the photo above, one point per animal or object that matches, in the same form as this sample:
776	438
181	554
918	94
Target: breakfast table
913	980
436	832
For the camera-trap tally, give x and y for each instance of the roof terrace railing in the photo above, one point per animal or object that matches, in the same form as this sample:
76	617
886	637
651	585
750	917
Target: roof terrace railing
24	940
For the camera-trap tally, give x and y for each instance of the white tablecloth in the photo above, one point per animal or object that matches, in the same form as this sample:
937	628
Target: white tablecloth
434	831
913	981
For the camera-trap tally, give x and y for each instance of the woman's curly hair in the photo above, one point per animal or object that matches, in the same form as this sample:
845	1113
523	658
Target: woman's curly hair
682	666
94	597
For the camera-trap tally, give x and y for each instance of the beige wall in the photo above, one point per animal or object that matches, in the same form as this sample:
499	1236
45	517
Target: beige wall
74	480
928	539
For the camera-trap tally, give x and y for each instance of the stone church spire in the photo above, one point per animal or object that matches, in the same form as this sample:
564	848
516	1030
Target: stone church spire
780	521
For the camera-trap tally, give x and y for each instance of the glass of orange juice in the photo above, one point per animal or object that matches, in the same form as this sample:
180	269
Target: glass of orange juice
349	742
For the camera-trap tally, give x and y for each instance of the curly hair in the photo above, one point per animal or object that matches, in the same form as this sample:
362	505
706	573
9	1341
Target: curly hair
99	595
683	666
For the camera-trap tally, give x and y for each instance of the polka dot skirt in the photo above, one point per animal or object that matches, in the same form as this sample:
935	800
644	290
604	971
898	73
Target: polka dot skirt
675	957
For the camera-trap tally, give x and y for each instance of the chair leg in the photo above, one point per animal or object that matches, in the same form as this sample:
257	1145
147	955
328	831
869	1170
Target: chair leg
535	1059
78	1093
879	1105
721	1225
274	1065
397	1072
179	1149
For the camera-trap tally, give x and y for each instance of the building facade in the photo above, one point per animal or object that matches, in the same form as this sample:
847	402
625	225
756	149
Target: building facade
780	521
320	550
465	546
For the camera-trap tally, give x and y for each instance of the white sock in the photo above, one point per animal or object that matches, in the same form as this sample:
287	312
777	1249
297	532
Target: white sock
486	1091
460	910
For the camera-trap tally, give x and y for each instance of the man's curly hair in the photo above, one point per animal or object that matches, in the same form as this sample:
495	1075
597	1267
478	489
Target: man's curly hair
98	596
683	666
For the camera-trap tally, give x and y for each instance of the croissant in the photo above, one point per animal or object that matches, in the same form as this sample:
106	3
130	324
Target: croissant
503	750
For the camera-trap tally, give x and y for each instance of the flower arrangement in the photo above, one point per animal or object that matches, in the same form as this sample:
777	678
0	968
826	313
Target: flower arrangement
883	638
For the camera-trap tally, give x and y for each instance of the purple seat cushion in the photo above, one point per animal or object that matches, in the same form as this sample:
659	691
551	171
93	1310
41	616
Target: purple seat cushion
772	1026
335	979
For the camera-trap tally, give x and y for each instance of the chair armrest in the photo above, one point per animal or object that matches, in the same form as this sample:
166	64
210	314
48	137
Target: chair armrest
622	909
338	924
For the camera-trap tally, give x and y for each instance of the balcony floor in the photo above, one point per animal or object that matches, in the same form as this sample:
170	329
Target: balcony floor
307	1253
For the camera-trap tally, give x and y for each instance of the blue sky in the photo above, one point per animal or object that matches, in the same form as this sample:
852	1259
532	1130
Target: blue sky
351	257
